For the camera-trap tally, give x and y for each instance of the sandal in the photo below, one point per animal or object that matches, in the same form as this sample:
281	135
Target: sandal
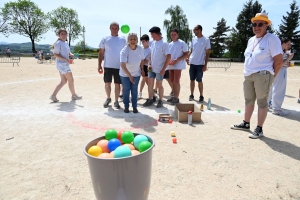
53	98
76	97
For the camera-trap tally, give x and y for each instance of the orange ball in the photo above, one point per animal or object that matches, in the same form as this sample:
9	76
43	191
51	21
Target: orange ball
135	152
103	144
112	154
119	136
105	155
170	121
174	140
131	147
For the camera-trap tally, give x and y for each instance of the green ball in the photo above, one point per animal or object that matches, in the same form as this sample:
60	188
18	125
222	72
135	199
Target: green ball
145	145
239	111
127	137
125	28
138	139
110	134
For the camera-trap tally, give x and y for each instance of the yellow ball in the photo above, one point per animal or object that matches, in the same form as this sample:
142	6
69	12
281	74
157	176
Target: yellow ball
173	133
95	151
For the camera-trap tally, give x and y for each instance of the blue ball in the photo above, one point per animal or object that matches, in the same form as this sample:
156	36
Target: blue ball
122	151
113	144
138	139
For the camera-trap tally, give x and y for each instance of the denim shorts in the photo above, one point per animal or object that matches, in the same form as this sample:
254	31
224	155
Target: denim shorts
196	72
158	76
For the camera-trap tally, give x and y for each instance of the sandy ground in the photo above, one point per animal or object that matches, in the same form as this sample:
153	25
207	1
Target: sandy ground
41	143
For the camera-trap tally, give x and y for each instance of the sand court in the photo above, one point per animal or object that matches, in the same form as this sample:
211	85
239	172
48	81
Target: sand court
42	142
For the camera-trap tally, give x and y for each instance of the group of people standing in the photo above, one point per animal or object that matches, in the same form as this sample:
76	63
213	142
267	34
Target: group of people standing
126	62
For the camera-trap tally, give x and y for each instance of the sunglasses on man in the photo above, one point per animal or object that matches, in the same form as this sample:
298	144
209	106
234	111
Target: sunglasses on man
259	24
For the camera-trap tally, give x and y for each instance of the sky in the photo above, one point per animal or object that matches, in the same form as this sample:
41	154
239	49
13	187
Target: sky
96	15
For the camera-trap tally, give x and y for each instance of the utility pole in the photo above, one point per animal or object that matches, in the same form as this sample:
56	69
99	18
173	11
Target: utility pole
83	31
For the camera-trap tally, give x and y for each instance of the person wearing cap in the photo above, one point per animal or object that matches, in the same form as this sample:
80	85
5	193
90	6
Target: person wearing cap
263	59
110	48
158	63
277	92
179	52
197	59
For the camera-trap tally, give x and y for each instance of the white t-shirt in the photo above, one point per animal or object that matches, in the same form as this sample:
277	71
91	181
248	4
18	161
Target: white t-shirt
199	47
63	49
262	56
177	49
112	46
159	52
147	53
133	59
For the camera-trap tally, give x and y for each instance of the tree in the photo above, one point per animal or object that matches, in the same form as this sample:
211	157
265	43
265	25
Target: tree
232	43
68	19
289	25
217	39
81	47
3	26
178	20
25	18
243	26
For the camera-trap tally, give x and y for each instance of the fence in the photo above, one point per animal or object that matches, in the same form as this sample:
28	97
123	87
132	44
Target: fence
219	63
10	58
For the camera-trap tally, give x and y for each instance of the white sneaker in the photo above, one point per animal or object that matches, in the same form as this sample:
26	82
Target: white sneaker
140	95
76	97
279	112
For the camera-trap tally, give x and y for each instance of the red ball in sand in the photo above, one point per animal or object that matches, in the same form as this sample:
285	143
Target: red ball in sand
170	121
174	140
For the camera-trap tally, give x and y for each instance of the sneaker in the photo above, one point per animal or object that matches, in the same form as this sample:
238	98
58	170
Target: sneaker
201	99
154	98
242	126
171	99
121	96
76	97
191	98
155	91
140	95
279	112
53	98
126	110
175	100
172	94
298	100
117	105
108	100
135	110
148	102
257	133
159	104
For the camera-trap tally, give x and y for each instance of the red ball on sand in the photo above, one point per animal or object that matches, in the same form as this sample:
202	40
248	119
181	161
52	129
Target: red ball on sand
170	121
174	140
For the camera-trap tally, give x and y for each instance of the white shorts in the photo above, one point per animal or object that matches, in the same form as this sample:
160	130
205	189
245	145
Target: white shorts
63	67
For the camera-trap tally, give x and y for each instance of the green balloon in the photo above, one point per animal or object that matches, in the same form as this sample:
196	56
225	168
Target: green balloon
145	145
125	28
127	137
110	134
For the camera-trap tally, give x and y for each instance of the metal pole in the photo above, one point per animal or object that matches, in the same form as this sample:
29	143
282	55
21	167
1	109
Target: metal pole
83	30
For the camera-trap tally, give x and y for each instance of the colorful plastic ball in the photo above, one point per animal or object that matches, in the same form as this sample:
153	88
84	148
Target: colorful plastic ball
170	121
122	151
103	144
110	134
95	150
125	28
119	135
130	146
113	144
138	139
239	111
105	155
174	140
135	152
127	137
145	145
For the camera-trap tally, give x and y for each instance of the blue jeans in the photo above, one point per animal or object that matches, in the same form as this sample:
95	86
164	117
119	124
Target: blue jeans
127	87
